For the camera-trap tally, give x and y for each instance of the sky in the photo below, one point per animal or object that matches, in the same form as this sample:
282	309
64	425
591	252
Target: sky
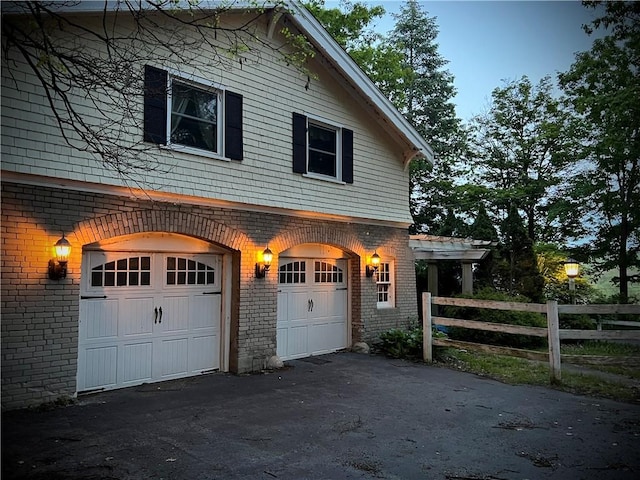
489	42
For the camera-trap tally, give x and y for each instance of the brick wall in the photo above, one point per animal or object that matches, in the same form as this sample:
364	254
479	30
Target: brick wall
40	316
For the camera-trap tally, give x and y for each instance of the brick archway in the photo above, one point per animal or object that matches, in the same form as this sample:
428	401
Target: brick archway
345	241
143	221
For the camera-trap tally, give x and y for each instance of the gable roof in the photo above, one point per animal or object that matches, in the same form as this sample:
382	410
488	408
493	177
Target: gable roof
332	50
385	112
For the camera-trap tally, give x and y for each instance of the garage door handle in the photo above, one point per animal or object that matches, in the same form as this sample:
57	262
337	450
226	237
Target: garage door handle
312	305
160	321
155	319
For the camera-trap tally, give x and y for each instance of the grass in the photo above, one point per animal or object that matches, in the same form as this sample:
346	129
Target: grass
520	371
595	347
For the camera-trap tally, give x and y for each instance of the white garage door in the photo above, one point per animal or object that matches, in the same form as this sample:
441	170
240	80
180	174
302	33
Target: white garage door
312	307
147	317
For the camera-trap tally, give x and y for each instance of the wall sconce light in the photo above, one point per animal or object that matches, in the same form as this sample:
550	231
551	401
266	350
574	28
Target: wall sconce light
58	267
263	267
373	264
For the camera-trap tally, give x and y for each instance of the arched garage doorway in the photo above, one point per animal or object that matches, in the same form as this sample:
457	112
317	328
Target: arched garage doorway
153	307
313	301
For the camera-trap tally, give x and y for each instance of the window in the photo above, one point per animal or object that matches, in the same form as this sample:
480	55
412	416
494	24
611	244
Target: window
326	272
322	149
293	272
184	271
182	113
125	272
384	283
194	117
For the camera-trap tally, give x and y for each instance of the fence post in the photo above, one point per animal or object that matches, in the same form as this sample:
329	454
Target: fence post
427	335
553	329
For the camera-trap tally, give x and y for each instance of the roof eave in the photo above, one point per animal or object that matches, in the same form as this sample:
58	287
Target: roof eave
329	47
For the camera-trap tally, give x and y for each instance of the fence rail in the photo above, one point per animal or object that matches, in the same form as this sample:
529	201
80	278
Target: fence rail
552	331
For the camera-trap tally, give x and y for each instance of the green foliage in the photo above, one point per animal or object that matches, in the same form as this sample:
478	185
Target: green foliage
350	26
424	95
399	343
521	147
529	319
604	199
517	268
550	259
482	229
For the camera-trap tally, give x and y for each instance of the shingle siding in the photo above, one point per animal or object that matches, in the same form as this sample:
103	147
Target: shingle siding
272	91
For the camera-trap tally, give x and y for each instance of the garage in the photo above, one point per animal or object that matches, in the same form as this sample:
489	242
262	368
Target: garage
148	315
312	303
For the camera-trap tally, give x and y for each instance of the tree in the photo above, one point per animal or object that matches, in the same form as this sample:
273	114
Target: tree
424	95
603	85
518	268
350	26
95	63
522	146
482	229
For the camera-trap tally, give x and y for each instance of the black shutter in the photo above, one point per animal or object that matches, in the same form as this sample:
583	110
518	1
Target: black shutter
299	143
347	155
155	105
233	125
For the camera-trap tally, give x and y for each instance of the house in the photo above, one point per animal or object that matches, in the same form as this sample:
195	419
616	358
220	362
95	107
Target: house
255	237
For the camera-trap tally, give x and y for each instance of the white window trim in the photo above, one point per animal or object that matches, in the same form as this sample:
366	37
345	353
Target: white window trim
203	84
391	302
322	122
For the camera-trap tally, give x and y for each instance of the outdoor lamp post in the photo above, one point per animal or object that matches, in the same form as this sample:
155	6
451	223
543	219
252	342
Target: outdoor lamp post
572	268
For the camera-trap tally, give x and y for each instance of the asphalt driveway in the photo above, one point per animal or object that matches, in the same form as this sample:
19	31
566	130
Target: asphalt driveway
338	416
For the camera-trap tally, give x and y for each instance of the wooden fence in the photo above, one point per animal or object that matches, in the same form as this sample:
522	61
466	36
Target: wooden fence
552	332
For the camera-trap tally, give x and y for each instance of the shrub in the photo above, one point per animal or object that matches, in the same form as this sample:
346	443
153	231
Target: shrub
529	319
398	343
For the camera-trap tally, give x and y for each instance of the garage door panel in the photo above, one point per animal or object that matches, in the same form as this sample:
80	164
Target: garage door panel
136	362
282	340
100	367
136	317
201	354
173	357
319	337
337	307
298	341
101	319
174	316
202	312
320	304
298	307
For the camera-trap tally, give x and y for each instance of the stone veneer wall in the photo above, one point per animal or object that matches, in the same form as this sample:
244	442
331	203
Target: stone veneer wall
40	317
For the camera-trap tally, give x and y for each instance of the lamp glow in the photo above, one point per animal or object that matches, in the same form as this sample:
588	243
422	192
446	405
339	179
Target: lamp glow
58	267
372	266
263	267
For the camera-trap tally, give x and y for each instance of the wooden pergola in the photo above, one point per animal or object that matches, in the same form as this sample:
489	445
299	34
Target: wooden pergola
434	248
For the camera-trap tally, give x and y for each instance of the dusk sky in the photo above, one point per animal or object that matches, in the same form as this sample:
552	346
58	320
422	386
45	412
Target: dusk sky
488	42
